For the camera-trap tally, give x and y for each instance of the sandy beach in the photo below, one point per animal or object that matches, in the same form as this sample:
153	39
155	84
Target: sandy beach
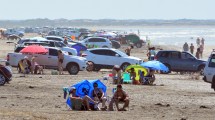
40	97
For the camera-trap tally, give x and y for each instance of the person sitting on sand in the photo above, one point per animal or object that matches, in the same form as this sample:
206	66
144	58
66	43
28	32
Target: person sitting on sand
98	95
133	76
150	78
26	65
35	67
119	96
116	72
85	100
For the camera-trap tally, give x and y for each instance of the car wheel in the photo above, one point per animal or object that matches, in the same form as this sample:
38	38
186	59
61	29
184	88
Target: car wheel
201	69
139	45
164	72
124	66
2	79
73	69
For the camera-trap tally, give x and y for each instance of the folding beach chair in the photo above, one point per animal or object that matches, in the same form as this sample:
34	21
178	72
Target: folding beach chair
126	77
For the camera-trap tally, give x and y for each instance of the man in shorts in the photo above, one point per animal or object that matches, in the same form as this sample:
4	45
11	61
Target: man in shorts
119	96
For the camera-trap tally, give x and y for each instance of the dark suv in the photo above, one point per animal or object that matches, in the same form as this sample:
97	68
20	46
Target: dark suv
180	61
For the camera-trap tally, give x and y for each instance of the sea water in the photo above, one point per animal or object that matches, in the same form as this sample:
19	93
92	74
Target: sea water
170	35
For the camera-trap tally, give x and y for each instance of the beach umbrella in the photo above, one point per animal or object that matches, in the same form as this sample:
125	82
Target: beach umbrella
79	47
34	49
155	65
83	88
137	68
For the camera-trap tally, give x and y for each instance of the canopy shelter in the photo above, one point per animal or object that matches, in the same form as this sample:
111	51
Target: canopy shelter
155	65
137	69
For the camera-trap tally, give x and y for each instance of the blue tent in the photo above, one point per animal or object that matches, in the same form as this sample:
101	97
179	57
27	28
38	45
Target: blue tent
79	47
85	87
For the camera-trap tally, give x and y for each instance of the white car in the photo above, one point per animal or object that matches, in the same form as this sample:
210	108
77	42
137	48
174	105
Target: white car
73	64
108	57
50	43
98	42
209	70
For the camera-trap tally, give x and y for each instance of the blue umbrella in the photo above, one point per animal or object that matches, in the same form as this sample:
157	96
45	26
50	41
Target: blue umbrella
79	47
155	65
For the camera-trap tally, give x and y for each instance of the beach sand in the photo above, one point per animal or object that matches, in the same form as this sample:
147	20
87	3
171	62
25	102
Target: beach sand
40	97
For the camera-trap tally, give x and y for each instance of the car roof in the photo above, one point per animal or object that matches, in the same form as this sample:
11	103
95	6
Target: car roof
101	49
169	51
54	37
96	37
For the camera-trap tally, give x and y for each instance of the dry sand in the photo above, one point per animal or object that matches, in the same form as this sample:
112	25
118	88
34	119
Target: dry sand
174	97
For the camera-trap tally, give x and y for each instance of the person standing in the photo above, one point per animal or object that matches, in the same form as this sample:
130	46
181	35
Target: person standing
201	50
186	47
116	71
60	62
191	48
203	41
128	50
198	53
198	41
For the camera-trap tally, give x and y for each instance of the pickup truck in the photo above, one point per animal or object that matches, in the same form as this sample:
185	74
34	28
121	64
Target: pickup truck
73	64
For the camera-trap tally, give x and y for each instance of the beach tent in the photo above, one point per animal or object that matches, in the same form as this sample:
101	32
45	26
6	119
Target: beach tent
137	68
85	87
79	47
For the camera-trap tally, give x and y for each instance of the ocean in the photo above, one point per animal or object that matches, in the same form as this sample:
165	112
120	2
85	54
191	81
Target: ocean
170	35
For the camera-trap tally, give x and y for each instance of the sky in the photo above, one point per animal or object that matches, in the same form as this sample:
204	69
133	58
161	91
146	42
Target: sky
107	9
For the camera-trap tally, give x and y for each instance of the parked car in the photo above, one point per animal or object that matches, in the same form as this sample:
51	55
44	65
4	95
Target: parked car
209	71
115	44
108	57
13	37
5	74
60	39
13	32
180	61
100	42
73	64
50	43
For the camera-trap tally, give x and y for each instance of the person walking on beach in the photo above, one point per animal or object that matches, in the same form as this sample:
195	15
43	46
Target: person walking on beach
191	48
116	72
201	50
60	62
128	50
198	53
198	41
186	47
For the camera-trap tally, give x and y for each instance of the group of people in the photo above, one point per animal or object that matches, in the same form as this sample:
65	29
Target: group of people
143	80
30	66
98	96
200	47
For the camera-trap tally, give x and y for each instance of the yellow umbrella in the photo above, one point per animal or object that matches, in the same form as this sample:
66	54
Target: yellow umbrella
137	68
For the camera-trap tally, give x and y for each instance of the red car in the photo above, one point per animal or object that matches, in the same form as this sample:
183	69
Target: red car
5	74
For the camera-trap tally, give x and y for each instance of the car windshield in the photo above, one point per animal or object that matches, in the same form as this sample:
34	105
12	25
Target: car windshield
121	53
